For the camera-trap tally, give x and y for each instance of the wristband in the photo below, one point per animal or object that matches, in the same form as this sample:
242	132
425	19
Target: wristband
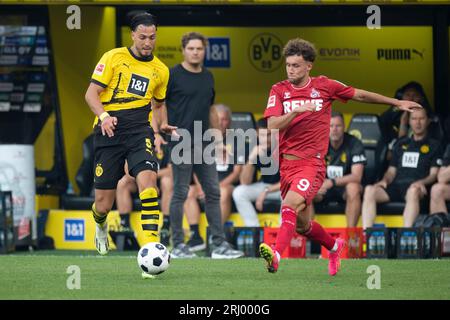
103	116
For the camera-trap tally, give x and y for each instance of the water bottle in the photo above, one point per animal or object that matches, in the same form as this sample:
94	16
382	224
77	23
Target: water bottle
410	243
372	243
379	243
241	241
229	230
414	242
427	243
403	243
392	241
382	244
228	225
70	189
249	244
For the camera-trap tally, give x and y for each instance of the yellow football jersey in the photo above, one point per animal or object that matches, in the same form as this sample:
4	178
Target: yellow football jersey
130	82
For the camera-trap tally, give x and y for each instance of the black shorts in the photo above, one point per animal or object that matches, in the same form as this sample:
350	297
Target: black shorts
335	194
397	192
110	155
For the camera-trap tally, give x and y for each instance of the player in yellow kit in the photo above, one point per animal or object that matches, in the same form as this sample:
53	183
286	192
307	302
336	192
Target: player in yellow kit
126	85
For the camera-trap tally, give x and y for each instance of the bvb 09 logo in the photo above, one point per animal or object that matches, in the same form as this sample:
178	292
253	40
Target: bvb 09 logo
265	52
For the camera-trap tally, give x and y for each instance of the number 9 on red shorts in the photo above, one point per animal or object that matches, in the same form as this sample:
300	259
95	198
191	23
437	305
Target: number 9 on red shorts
303	176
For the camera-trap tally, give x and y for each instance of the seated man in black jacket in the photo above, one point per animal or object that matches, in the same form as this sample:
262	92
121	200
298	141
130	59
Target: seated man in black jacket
345	167
440	192
412	170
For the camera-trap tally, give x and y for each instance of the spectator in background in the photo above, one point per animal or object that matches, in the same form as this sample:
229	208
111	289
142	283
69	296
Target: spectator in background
395	122
267	187
345	167
412	169
228	162
440	192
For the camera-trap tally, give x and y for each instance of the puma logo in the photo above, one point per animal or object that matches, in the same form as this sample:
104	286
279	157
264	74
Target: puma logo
420	54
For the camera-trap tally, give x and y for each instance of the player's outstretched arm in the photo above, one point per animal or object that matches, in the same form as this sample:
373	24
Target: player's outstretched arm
372	97
283	121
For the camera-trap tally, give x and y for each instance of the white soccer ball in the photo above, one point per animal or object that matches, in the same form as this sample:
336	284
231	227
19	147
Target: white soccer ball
153	258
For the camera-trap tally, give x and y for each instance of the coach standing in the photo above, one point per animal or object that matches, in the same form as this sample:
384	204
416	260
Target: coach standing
190	94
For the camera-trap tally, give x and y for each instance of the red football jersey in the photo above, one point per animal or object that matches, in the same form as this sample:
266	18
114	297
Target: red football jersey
308	134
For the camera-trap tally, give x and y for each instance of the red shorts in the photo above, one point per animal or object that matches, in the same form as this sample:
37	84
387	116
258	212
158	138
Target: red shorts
303	176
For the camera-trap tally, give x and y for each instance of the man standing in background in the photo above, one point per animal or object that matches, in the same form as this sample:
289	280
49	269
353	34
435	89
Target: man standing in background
190	95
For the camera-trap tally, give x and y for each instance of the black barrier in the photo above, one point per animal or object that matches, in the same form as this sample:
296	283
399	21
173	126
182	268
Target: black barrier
7	237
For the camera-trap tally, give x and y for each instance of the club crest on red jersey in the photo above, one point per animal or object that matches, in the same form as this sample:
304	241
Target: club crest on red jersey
315	93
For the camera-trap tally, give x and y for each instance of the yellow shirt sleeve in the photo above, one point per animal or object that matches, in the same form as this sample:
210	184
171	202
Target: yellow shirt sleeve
160	92
103	71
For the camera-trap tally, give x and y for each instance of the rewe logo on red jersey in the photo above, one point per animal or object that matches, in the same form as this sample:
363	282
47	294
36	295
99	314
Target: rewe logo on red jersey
291	105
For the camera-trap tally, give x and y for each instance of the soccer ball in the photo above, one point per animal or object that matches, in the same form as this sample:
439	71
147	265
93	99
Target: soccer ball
153	258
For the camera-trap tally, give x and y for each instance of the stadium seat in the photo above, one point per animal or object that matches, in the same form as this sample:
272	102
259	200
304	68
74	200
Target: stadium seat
243	120
84	179
366	127
330	207
271	206
436	130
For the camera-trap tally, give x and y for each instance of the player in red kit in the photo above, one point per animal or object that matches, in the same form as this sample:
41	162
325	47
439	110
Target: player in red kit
300	108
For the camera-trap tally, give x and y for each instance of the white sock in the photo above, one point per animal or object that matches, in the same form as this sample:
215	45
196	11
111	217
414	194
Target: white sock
278	255
335	247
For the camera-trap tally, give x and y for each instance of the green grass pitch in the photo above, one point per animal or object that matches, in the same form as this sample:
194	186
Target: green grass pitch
44	276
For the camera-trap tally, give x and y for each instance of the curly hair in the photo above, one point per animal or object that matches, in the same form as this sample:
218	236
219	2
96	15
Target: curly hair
300	47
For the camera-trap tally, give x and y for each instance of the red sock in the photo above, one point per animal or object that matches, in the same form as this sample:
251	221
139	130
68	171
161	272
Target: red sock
318	234
287	229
